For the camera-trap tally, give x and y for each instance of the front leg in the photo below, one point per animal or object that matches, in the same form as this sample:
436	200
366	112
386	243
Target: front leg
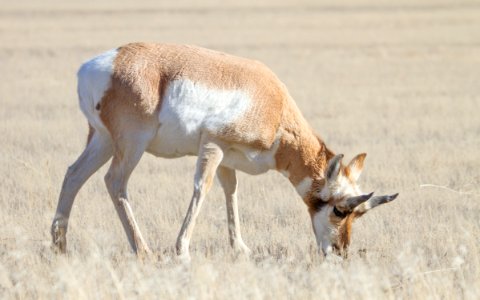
209	159
228	180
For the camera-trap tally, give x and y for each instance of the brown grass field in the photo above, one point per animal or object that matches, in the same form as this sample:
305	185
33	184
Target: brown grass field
398	80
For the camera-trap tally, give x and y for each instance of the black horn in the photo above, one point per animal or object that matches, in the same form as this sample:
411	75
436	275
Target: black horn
377	200
353	202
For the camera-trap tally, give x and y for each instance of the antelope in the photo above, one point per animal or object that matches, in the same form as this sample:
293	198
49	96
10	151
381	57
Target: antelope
233	113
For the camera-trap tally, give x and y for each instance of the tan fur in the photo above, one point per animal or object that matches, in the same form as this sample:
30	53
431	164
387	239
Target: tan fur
129	110
301	153
143	71
122	107
141	74
354	167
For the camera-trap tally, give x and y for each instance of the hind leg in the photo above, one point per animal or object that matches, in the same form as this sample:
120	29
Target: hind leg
129	148
95	155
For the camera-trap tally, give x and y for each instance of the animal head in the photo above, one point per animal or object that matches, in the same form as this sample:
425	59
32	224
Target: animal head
335	201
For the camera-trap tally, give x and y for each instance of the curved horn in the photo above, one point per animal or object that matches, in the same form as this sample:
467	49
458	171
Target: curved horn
373	202
382	199
353	202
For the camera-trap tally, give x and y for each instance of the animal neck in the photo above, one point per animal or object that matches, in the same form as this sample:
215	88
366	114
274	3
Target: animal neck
302	155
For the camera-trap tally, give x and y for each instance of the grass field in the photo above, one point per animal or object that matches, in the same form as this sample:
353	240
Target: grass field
400	81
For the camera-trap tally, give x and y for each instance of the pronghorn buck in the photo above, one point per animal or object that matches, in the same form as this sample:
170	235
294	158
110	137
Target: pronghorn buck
233	113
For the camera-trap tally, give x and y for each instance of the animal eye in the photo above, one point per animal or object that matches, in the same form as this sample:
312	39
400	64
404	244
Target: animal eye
338	213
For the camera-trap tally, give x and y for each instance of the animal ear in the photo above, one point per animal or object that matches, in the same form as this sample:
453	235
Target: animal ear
355	166
372	203
333	168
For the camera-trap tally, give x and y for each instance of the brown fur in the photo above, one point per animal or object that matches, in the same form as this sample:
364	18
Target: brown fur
344	230
143	71
301	152
354	166
313	202
129	110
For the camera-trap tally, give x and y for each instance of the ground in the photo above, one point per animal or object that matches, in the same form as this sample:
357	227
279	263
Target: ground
399	81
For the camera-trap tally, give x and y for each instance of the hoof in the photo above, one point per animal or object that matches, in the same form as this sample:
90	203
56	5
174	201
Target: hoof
59	239
184	258
242	250
333	259
144	253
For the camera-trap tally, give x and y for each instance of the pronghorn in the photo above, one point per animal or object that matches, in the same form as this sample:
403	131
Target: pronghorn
233	113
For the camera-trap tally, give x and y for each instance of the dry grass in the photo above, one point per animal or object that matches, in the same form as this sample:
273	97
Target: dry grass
399	81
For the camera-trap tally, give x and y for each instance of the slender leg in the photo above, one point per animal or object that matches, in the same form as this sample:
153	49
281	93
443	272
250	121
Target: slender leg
228	180
209	158
128	151
95	155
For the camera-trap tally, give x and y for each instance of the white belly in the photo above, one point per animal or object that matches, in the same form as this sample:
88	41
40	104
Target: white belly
236	157
249	160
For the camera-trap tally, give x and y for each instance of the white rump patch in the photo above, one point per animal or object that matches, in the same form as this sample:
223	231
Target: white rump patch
94	79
